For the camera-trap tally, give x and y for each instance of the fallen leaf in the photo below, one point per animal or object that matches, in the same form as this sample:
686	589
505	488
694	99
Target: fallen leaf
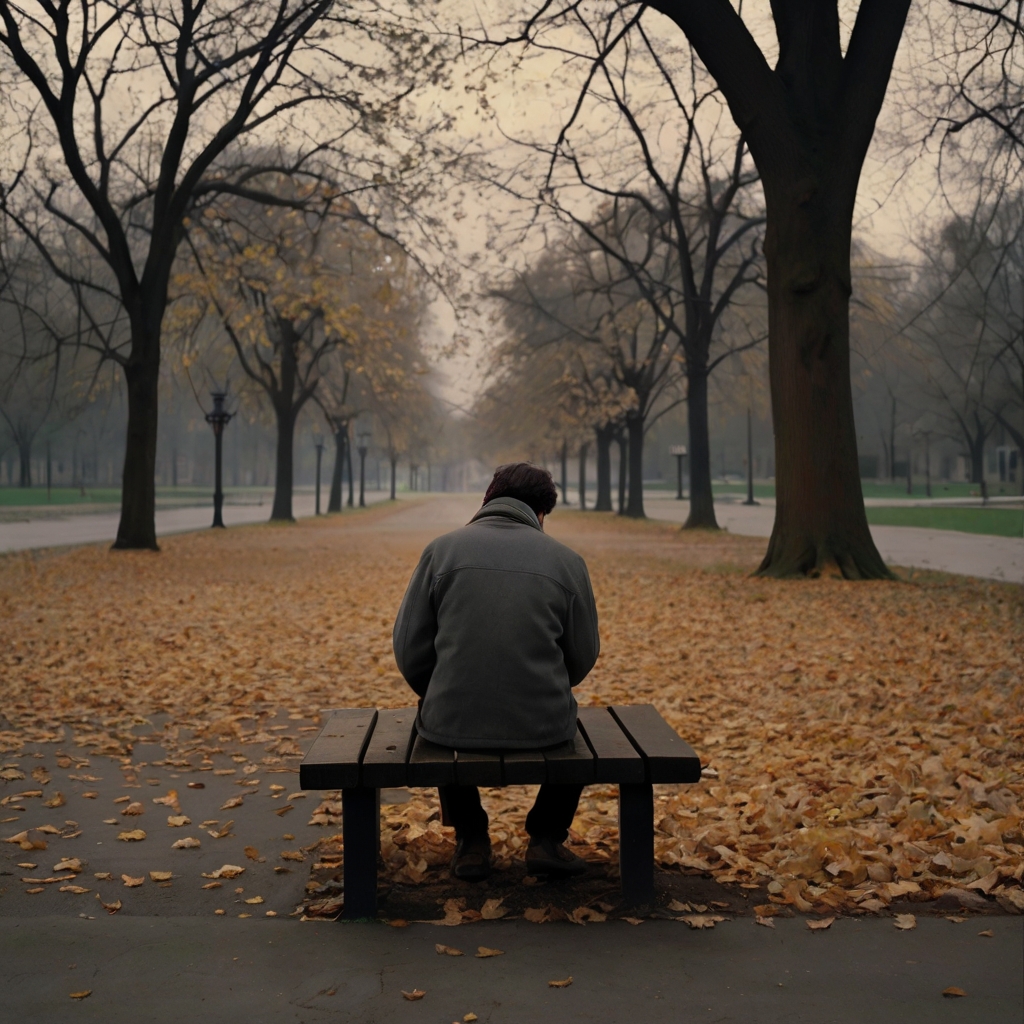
821	924
680	908
398	922
768	922
699	921
132	883
255	899
904	922
492	909
177	820
988	933
76	889
110	821
292	855
953	992
469	1018
68	864
103	876
223	832
188	843
564	983
483	952
160	876
447	950
956	920
211	885
57	800
135	835
28	865
110	908
220	913
85	993
134	809
281	811
766	910
537	915
581	915
34	892
11	774
235	801
416	993
27	841
197	785
169	799
226	871
91	795
252	853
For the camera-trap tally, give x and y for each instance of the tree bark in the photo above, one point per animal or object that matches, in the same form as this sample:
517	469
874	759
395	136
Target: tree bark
348	468
340	443
25	462
603	436
283	474
583	475
702	499
394	476
623	469
635	433
565	472
137	526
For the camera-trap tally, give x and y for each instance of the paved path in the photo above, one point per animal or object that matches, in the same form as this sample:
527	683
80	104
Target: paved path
969	554
90	528
178	969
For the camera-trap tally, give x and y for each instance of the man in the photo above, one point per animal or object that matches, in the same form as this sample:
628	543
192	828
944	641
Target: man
497	625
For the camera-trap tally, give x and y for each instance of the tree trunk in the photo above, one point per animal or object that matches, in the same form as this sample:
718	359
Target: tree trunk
25	462
348	468
282	509
820	524
702	499
623	470
340	438
394	476
565	472
635	430
603	436
583	475
137	527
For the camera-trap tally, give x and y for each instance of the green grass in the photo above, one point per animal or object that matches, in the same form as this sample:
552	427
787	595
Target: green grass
1001	522
874	489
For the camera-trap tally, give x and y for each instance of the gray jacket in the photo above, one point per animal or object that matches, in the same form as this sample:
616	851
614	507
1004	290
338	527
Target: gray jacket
497	625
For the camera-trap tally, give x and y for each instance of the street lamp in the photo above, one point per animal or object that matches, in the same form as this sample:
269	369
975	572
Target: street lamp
363	436
318	443
679	451
218	419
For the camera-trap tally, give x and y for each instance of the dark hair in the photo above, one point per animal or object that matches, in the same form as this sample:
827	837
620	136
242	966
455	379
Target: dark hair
528	483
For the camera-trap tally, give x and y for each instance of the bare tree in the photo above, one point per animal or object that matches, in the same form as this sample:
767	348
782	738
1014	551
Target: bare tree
129	118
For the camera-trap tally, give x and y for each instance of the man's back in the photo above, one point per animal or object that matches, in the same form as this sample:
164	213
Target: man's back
497	626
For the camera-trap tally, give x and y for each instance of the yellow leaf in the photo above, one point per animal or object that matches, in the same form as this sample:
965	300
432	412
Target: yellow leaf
160	876
416	993
953	992
76	889
131	883
564	983
483	952
904	922
492	910
135	835
447	950
188	843
255	899
821	924
81	995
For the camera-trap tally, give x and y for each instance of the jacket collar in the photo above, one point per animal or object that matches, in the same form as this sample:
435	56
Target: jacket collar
508	508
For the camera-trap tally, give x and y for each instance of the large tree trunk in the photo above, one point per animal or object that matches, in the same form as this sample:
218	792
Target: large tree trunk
604	436
635	433
282	509
565	473
137	527
25	460
583	475
702	500
394	476
623	444
820	524
340	443
348	469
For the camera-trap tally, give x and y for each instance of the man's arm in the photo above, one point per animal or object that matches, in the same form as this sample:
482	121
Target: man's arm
416	628
581	643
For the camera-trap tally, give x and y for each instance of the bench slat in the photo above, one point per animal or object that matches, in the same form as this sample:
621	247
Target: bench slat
383	764
617	760
523	768
430	765
570	762
333	760
669	757
477	768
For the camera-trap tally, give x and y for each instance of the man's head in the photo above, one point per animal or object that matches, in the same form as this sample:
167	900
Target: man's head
530	484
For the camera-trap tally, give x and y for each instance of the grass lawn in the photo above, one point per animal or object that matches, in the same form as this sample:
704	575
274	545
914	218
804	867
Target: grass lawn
13	497
877	489
1002	522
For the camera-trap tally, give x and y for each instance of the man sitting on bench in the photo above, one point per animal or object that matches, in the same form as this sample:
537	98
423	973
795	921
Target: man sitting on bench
496	627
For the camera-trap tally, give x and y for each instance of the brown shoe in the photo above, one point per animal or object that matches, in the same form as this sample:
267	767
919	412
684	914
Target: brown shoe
546	857
472	860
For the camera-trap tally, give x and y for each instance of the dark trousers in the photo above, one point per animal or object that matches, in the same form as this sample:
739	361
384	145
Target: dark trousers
549	818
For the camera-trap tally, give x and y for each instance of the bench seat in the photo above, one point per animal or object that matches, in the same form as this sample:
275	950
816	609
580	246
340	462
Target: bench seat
363	750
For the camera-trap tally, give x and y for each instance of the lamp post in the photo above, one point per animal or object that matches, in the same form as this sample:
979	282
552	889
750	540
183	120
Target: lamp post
318	443
363	437
679	451
218	419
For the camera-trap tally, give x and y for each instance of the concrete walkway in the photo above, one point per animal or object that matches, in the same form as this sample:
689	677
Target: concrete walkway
92	527
969	554
259	970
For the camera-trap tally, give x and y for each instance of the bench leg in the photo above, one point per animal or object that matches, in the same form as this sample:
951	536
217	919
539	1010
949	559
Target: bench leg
360	810
636	842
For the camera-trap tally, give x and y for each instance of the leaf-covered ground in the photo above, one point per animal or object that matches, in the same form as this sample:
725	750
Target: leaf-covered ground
864	740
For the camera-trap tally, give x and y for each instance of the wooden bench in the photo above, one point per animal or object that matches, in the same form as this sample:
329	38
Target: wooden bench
362	750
